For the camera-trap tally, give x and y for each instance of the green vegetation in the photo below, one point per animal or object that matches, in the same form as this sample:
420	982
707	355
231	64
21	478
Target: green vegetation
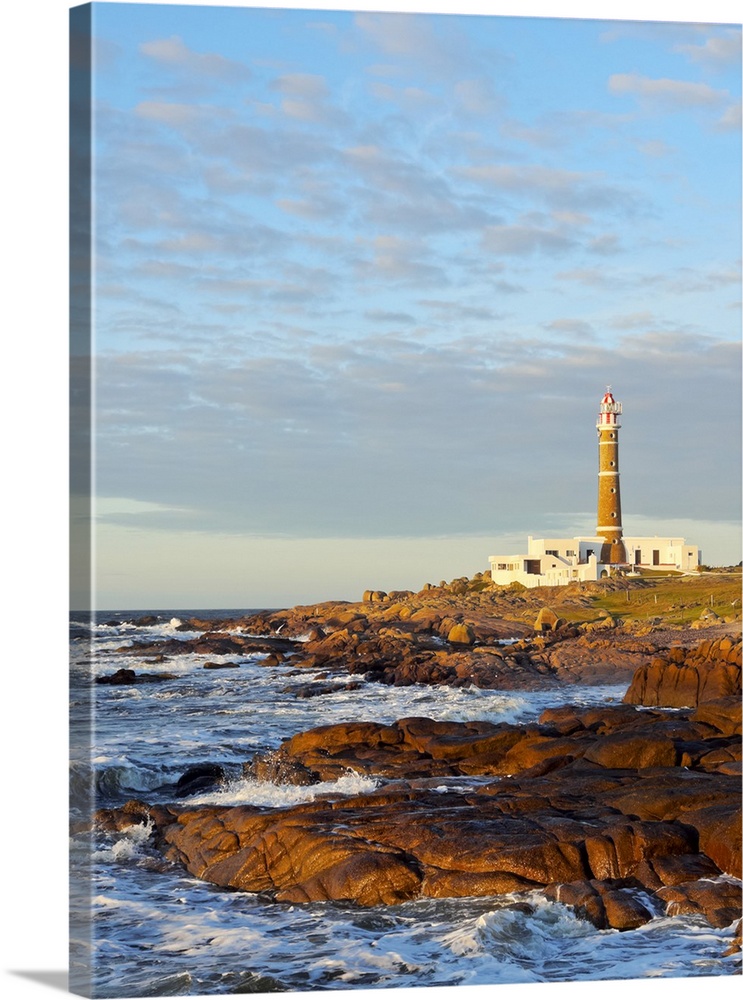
678	600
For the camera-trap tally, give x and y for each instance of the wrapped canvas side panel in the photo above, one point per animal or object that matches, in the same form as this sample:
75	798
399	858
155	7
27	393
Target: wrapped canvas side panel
81	796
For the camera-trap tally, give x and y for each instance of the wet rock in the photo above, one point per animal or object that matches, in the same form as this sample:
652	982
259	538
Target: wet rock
213	665
200	778
280	770
718	901
606	904
735	947
367	878
125	676
403	841
574	805
212	643
317	690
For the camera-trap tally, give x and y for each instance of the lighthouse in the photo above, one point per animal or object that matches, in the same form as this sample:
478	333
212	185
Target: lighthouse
609	518
550	562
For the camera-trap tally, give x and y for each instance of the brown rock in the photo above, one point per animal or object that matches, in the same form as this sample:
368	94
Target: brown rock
719	902
633	751
686	678
546	620
604	904
617	850
724	714
679	868
571	814
364	877
719	830
461	634
624	911
457	883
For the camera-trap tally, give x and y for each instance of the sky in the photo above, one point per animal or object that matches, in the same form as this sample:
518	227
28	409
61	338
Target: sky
360	281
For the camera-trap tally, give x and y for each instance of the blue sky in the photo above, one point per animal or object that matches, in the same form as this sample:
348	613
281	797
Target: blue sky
361	279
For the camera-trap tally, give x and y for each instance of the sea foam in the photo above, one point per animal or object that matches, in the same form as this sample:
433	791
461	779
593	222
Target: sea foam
247	791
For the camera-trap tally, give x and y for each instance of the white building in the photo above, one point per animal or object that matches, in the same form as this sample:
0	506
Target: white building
550	562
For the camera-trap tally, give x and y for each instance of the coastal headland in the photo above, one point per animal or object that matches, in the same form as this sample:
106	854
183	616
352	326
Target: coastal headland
623	811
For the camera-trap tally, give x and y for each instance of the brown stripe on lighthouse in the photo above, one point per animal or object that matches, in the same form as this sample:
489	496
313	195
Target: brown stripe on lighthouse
609	525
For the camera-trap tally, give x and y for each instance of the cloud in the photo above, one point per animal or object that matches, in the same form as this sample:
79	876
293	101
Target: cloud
116	507
594	277
717	51
606	245
402	192
398	260
524	240
411	99
174	53
382	316
574	327
415	40
675	95
391	433
477	97
559	187
655	148
631	321
170	113
316	198
687	280
730	119
456	310
306	97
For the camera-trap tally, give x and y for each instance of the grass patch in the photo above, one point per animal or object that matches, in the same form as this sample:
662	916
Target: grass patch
679	600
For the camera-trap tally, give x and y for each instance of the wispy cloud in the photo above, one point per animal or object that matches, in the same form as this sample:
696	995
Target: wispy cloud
379	417
717	51
676	95
174	53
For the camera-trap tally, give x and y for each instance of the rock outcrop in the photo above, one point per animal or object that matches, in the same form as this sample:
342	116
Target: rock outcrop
685	677
124	676
618	812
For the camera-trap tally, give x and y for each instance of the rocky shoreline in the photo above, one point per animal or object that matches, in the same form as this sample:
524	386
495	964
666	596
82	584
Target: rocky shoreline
492	640
619	812
622	812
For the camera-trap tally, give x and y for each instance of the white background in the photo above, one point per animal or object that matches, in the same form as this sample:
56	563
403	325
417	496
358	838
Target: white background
33	655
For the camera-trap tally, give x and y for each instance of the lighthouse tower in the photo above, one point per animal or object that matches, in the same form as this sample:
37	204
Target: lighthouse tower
609	525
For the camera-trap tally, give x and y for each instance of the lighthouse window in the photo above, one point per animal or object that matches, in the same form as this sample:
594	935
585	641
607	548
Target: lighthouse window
611	463
613	513
613	490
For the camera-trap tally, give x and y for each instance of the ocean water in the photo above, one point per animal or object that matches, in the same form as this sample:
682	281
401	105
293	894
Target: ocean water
148	928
